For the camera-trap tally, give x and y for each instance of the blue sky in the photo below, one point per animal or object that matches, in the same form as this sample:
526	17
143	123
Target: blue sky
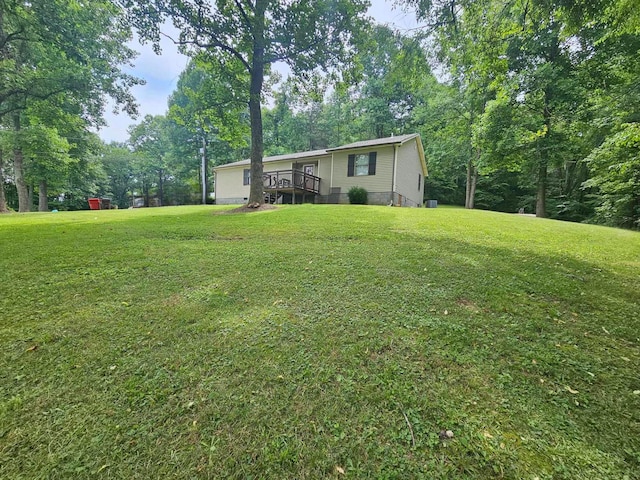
161	72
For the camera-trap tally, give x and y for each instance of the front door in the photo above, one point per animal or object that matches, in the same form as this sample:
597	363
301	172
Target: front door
308	182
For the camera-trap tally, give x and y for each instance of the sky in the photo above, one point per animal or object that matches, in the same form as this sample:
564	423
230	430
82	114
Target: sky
161	72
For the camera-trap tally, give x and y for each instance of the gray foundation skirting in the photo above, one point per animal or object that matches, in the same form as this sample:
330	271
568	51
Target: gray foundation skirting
374	198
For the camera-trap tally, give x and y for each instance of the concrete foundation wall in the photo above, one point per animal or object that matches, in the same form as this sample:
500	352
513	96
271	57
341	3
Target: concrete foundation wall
231	201
374	198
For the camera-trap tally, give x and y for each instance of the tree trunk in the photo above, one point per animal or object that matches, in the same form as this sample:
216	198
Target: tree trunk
472	193
205	190
161	188
256	194
541	196
543	161
43	202
24	204
472	179
3	198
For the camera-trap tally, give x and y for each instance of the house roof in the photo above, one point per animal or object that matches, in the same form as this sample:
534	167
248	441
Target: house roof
276	158
399	140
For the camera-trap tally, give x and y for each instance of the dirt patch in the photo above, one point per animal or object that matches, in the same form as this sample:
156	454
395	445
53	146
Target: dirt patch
247	209
468	304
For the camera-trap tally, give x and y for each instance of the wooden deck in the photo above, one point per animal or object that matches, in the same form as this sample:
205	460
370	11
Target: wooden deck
291	181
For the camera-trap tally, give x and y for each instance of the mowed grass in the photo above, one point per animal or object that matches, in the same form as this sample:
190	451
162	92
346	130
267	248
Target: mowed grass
317	342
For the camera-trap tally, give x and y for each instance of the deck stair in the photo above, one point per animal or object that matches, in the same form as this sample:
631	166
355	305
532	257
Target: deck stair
272	197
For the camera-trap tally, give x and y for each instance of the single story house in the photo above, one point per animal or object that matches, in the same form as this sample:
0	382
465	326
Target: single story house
392	170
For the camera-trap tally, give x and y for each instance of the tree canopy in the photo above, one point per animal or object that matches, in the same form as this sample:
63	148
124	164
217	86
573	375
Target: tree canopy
63	53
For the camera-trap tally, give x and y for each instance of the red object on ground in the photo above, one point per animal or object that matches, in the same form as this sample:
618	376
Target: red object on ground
94	203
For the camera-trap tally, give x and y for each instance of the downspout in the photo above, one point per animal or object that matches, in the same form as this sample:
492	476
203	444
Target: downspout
331	179
394	171
215	186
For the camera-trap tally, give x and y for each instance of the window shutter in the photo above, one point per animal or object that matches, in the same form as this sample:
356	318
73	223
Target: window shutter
351	165
372	163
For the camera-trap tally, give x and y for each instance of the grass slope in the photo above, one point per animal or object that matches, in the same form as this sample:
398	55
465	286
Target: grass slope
315	340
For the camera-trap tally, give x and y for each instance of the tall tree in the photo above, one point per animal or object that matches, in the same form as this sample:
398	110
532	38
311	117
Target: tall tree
54	47
394	68
150	141
118	163
470	52
254	34
211	107
47	160
522	51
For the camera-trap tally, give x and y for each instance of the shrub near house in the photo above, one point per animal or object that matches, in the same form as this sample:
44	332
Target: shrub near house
357	196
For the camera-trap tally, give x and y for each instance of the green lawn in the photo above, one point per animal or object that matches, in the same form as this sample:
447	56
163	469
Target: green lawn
315	340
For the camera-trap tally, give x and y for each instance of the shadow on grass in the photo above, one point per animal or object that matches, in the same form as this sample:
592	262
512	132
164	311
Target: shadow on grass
299	349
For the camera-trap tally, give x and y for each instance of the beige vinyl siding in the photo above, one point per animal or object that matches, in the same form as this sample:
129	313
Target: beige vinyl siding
409	167
380	182
229	185
324	172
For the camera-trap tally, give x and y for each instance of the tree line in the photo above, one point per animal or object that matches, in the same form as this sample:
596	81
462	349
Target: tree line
522	105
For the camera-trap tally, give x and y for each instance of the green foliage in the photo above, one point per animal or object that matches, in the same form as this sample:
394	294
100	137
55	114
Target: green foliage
46	154
63	59
544	85
357	196
615	167
142	348
118	163
58	47
394	67
211	100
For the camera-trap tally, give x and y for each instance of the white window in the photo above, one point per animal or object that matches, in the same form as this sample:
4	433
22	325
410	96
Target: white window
362	164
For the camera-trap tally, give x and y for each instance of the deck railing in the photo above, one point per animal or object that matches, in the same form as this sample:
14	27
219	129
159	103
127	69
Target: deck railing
291	179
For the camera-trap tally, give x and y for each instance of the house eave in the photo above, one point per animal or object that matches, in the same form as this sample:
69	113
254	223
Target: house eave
378	142
278	158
